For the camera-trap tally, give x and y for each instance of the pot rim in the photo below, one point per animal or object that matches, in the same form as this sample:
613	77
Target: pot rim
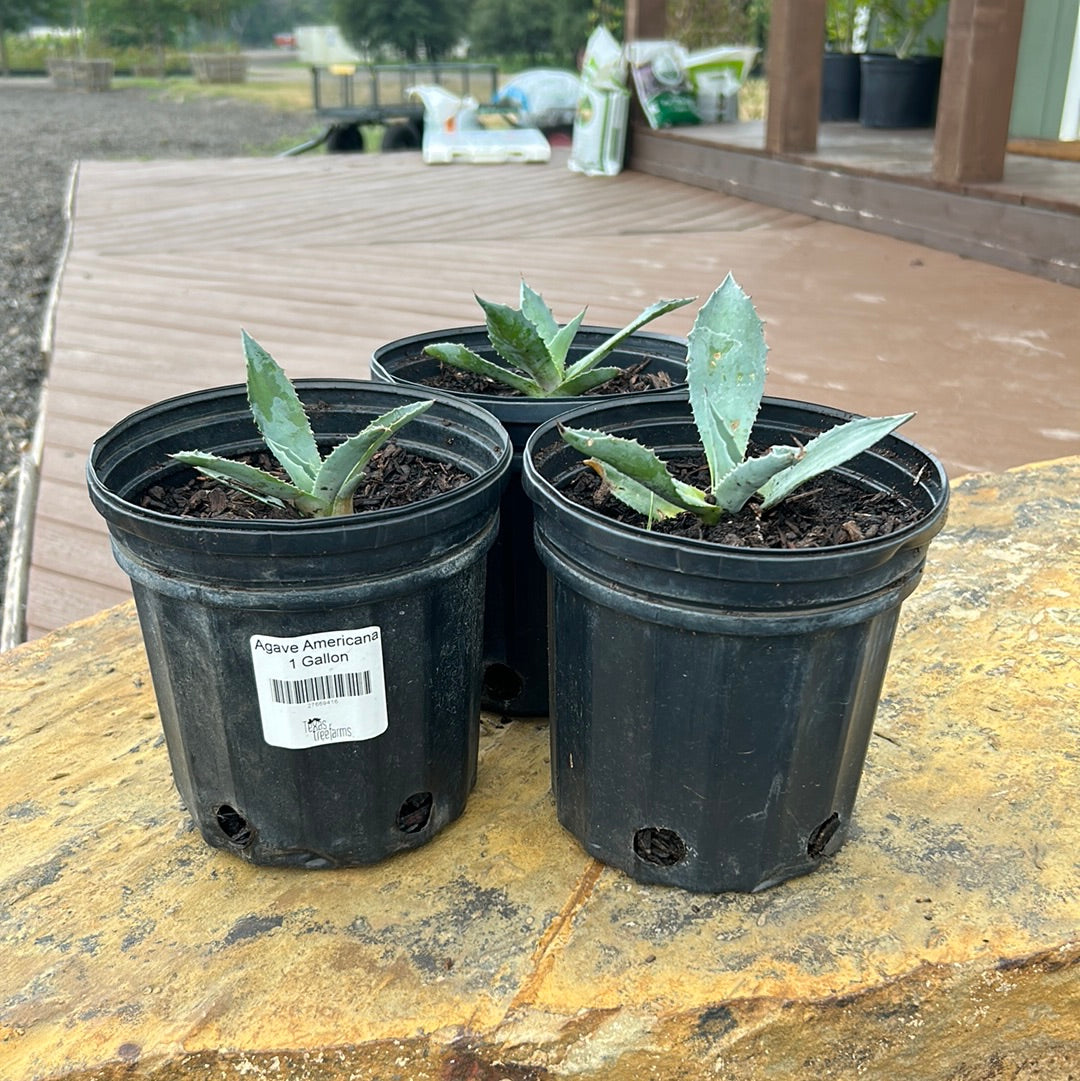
107	498
542	490
430	337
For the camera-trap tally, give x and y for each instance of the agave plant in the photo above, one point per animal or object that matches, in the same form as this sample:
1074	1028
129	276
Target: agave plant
320	487
530	339
726	376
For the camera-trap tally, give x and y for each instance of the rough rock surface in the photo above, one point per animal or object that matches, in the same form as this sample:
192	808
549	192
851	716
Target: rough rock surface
941	943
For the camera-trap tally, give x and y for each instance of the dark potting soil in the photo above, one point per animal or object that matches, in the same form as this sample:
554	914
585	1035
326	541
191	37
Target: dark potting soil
826	511
394	477
632	380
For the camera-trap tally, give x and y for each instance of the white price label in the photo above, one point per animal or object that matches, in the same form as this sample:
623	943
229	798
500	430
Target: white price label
320	688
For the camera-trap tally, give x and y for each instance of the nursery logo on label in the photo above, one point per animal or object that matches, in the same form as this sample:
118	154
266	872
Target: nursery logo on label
339	673
322	731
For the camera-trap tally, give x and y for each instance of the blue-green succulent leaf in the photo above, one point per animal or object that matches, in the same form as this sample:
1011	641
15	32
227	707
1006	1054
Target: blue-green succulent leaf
457	356
654	311
830	449
747	477
726	372
641	465
535	309
635	495
344	466
519	343
582	384
279	415
250	479
560	344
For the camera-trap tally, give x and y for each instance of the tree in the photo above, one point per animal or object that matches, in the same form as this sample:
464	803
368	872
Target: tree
573	20
144	23
702	23
269	17
426	29
157	23
536	31
512	28
17	15
610	14
220	19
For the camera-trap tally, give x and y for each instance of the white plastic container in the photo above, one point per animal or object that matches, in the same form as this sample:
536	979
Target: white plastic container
452	132
716	75
483	147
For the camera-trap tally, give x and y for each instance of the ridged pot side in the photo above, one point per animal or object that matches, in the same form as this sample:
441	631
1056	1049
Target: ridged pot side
381	607
515	626
712	705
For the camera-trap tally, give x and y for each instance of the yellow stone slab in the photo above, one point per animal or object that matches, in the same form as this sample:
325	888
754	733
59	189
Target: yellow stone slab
943	941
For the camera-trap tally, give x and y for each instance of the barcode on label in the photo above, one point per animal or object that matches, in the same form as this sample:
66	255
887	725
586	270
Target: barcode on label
318	688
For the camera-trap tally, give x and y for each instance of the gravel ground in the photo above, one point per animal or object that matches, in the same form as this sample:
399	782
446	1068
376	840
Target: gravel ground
43	132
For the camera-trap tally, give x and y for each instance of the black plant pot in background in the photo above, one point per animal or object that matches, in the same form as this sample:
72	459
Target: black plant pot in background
899	93
840	86
712	705
515	608
317	680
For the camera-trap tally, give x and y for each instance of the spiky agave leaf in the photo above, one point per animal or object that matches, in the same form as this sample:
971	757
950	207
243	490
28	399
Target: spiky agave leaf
653	311
341	472
535	309
627	458
736	488
557	339
725	365
279	415
519	343
458	356
828	450
582	384
250	479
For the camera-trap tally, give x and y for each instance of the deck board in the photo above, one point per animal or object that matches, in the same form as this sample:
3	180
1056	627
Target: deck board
323	259
882	181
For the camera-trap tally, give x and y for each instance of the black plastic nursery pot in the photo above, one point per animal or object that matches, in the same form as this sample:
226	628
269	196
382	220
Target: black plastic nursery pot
515	609
899	92
317	680
840	86
712	705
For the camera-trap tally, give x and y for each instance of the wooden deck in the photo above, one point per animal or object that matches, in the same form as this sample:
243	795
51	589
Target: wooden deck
325	258
882	181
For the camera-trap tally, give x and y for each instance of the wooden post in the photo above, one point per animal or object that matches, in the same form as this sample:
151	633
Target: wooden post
979	67
646	20
796	45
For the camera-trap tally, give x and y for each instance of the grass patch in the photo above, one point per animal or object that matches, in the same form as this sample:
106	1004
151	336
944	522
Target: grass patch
753	97
287	96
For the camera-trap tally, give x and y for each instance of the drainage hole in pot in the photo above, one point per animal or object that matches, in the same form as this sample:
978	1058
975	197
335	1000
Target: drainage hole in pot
501	683
656	845
820	838
414	813
234	825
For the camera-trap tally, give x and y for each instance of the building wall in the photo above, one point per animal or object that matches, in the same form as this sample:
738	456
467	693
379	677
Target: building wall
1047	45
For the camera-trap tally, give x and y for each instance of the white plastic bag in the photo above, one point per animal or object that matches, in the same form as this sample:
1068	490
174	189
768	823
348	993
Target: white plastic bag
599	138
543	97
662	84
717	74
444	111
